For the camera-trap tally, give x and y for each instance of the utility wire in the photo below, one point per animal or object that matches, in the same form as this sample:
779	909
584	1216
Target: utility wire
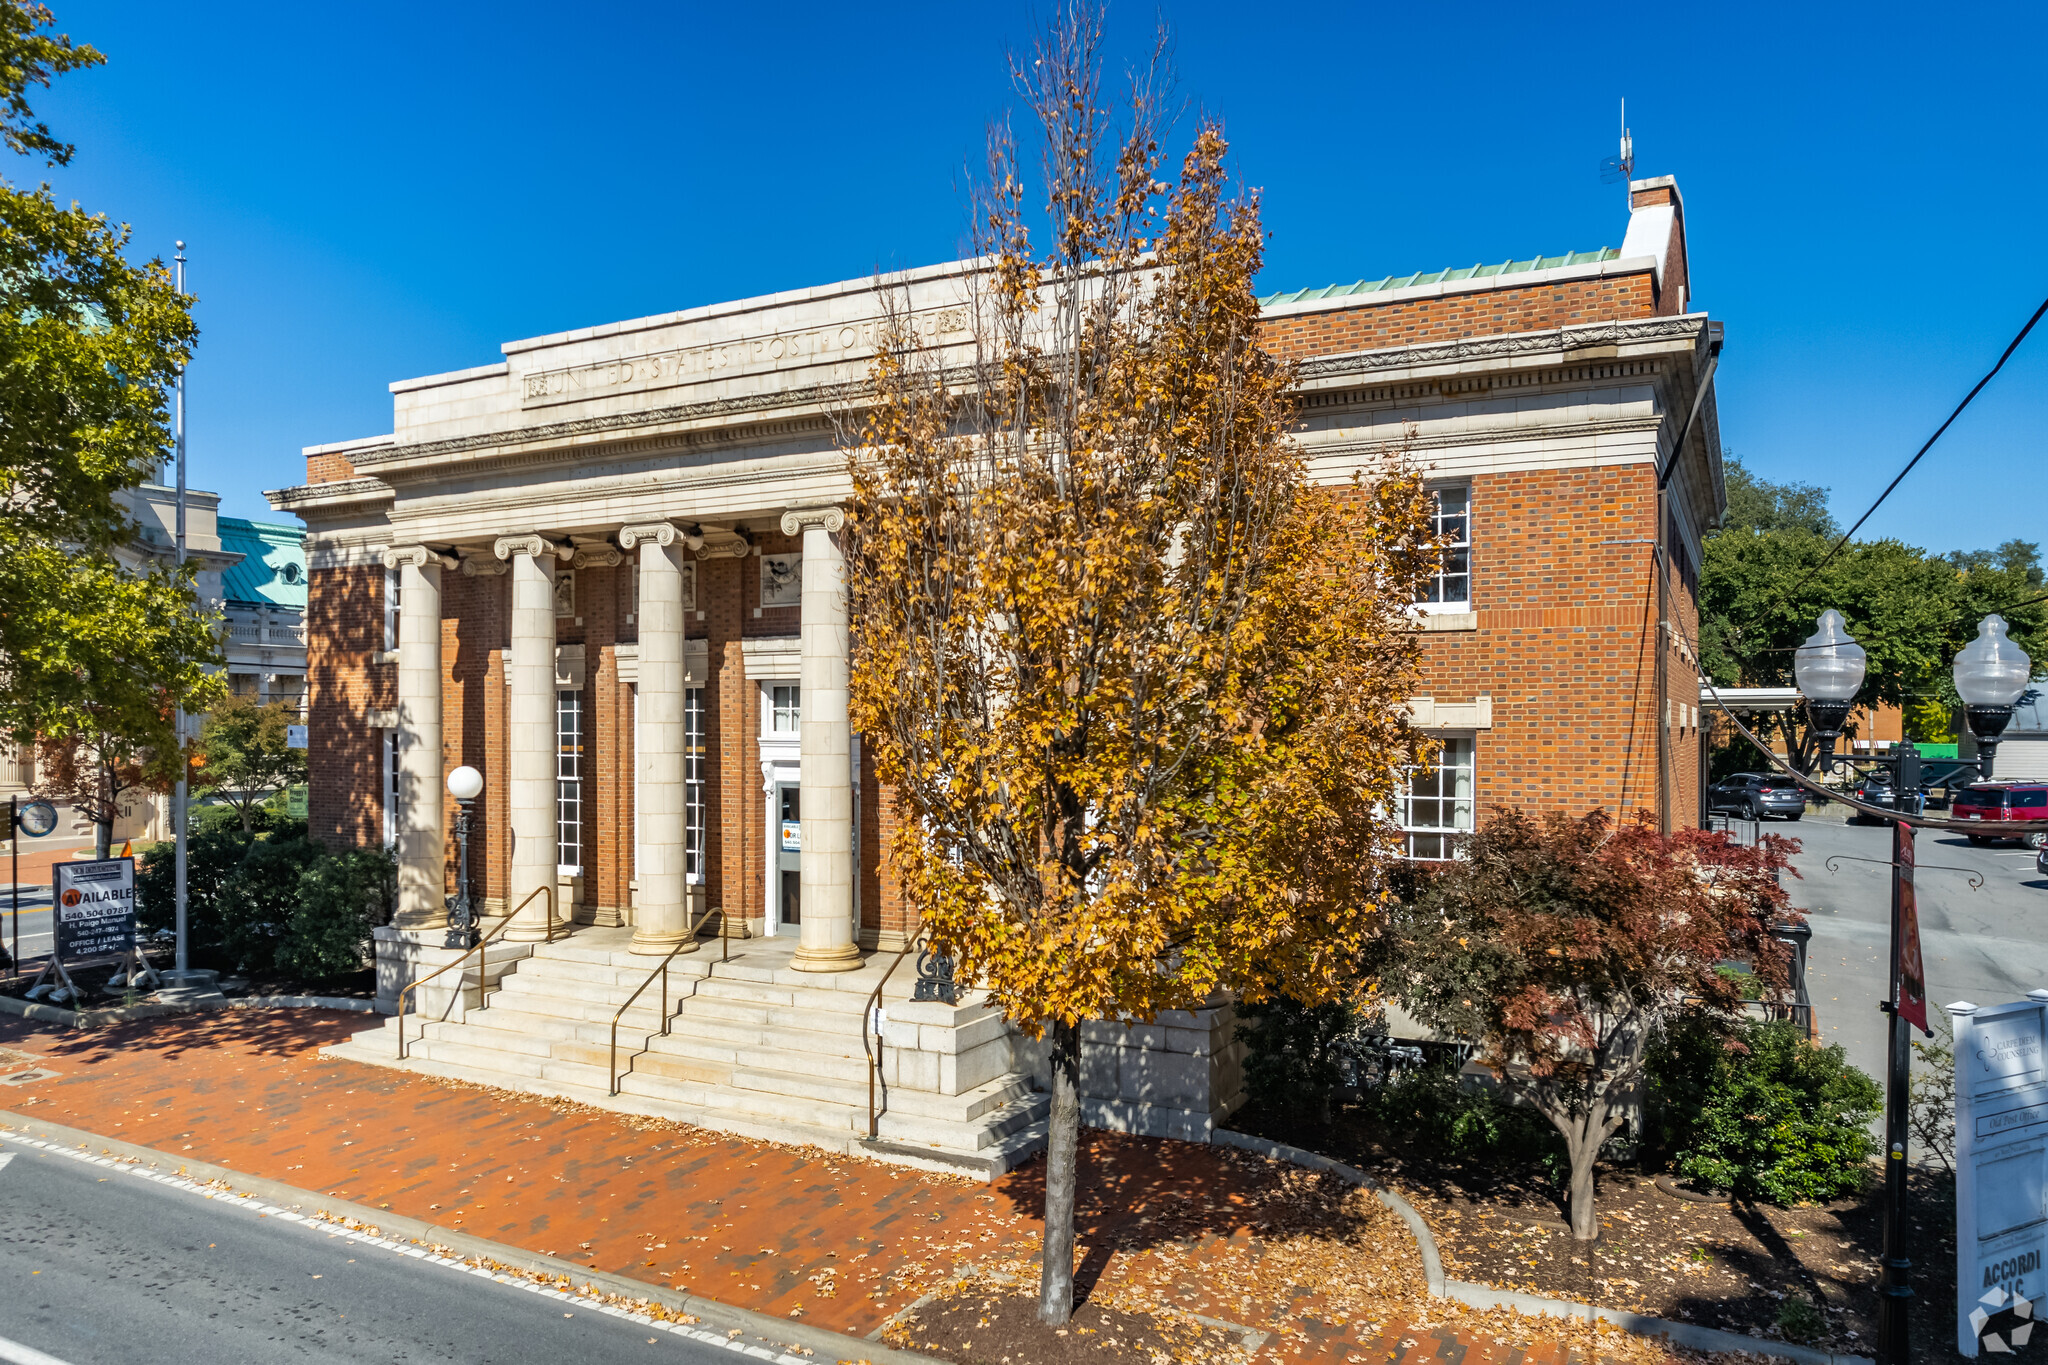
1925	448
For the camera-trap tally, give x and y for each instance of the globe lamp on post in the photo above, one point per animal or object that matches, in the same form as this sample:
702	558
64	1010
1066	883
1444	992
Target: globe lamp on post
1991	673
464	784
1829	669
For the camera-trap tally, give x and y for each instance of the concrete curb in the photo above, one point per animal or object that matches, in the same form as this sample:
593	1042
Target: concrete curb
710	1312
52	1014
1689	1335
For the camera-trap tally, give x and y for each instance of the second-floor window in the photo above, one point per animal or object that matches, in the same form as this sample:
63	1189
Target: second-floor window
569	781
1436	801
391	581
693	784
1450	587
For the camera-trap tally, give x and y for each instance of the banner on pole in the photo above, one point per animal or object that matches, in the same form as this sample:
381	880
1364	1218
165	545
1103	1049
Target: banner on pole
1912	968
95	907
2001	1172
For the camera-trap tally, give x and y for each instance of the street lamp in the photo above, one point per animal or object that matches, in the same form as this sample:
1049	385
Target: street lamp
1829	669
464	784
1991	673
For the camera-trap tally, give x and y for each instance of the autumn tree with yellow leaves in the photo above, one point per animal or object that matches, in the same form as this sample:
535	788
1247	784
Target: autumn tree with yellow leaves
1134	679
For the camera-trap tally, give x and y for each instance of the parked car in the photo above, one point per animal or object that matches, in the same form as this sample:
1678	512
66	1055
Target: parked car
1877	790
2016	802
1755	796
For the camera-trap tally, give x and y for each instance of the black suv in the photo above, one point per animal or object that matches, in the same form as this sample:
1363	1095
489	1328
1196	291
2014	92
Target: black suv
1755	795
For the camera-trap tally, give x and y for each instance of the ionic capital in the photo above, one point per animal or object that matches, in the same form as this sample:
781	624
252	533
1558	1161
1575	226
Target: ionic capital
651	533
417	557
598	555
723	545
476	566
797	518
535	545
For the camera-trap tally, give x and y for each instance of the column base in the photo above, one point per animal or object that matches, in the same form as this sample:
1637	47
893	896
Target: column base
843	957
659	945
526	933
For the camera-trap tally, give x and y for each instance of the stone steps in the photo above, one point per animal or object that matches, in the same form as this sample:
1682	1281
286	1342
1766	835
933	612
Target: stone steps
753	1047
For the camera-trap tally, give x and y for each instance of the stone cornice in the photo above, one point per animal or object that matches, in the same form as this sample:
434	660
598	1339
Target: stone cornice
1554	344
340	493
797	518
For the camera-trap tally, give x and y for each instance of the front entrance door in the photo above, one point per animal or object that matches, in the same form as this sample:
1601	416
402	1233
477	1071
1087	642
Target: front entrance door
789	843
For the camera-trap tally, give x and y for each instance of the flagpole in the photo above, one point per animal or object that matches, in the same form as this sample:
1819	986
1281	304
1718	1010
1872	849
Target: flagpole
178	801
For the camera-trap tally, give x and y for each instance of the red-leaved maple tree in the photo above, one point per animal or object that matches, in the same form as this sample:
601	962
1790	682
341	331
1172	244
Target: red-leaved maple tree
1562	944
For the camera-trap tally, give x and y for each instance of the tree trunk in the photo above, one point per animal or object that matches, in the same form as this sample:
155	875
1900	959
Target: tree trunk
1579	1200
103	837
1062	1171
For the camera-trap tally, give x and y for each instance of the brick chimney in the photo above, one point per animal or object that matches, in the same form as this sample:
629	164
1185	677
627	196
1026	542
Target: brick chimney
1656	228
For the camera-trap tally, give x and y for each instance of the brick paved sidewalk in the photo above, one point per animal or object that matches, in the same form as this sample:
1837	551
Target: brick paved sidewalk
840	1242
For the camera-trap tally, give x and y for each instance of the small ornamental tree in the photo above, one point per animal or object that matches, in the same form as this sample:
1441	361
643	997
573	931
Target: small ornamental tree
1135	682
243	756
97	774
1562	944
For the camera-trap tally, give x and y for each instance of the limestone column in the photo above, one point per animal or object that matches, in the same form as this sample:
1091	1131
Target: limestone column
422	858
825	940
530	738
661	917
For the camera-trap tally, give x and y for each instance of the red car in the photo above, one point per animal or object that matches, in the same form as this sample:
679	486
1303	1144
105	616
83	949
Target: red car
2014	801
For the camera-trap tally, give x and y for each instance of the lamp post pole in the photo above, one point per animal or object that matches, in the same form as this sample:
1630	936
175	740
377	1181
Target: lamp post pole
464	784
1990	674
182	795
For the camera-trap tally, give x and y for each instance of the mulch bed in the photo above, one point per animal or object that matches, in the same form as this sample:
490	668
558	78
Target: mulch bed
996	1324
1731	1265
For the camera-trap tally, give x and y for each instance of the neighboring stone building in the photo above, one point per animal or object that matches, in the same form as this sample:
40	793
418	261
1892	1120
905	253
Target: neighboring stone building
600	570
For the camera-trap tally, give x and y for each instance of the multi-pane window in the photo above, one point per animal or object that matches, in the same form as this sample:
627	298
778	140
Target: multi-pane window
1436	801
1451	521
693	784
569	781
788	713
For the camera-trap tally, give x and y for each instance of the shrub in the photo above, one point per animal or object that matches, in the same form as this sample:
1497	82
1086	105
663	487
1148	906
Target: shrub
256	902
1765	1114
1435	1112
1294	1054
340	899
211	856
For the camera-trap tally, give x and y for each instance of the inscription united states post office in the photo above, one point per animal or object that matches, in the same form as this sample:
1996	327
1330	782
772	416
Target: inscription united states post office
743	355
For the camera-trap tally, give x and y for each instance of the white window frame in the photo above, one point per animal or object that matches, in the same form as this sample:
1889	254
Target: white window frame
785	699
387	748
393	577
696	772
569	782
1432	842
1436	599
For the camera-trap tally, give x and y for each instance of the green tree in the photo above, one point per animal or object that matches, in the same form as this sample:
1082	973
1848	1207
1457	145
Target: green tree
242	756
89	348
1756	504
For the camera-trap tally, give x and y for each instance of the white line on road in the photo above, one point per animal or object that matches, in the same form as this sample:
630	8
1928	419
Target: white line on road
5	1157
251	1204
17	1354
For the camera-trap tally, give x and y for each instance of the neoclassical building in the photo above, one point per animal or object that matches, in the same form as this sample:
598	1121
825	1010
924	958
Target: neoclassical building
604	571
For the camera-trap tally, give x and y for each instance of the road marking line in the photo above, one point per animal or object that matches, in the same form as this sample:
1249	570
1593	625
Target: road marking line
31	1356
17	1354
5	1157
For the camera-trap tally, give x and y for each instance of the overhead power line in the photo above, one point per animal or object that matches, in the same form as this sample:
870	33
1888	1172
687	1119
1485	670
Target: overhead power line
1836	547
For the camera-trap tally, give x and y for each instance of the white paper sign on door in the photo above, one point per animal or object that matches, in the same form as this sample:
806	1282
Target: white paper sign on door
2001	1173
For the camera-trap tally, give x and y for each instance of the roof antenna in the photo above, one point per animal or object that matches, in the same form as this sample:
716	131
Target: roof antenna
1620	168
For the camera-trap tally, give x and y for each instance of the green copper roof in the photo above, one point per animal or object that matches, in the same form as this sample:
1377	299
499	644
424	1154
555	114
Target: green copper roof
1467	272
273	567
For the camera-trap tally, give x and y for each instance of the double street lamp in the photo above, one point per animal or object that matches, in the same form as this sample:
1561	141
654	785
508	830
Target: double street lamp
1991	674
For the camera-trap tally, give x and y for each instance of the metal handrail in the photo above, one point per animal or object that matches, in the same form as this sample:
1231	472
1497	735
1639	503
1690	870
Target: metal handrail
874	1056
688	940
483	1001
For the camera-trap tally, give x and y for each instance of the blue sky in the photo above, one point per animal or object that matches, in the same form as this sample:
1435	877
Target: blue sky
374	191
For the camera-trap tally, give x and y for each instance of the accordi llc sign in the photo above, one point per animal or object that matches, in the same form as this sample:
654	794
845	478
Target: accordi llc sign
2001	1172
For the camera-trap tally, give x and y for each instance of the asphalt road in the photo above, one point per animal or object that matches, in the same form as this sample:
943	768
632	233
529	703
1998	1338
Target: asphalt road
1987	946
35	920
103	1267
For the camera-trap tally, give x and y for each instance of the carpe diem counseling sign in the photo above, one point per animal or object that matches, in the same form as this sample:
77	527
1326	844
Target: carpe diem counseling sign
95	905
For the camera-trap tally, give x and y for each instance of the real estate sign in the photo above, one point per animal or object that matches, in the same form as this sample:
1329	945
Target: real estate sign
95	907
2001	1172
